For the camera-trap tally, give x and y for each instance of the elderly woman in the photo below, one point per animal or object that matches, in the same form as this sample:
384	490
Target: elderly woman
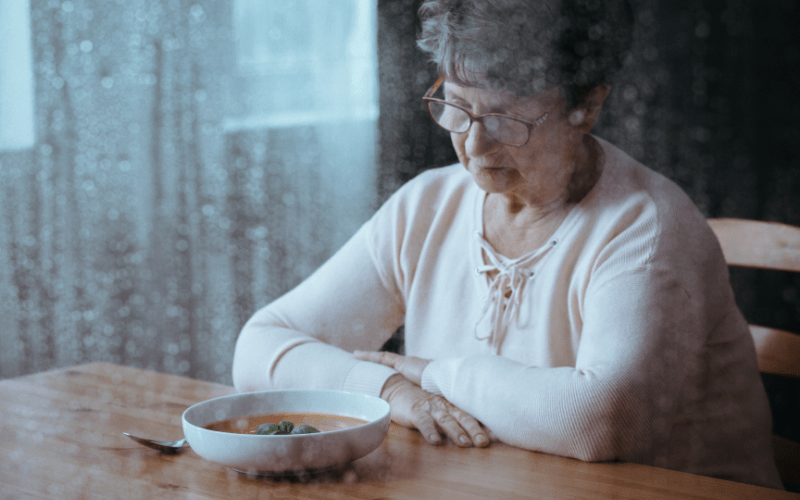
556	294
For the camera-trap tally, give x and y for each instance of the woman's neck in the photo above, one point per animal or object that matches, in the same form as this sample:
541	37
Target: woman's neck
515	230
515	226
588	170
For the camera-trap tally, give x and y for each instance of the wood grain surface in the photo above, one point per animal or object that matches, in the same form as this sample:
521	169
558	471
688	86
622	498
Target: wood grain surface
61	437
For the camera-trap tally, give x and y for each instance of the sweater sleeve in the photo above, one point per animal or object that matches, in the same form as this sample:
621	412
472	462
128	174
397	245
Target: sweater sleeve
356	300
305	338
615	403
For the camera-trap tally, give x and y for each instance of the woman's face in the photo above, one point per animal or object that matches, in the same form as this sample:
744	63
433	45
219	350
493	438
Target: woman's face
537	173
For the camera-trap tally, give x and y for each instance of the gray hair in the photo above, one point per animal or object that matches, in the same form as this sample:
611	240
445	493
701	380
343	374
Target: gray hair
527	46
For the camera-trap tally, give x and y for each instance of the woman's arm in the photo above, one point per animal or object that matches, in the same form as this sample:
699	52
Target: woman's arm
642	337
305	338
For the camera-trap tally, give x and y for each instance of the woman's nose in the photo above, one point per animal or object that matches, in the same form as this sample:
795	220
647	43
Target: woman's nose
479	142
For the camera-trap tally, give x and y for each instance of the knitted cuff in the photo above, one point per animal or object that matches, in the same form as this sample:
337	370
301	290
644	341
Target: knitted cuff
367	378
439	377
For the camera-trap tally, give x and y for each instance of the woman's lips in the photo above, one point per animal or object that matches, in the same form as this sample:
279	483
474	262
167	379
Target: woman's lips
487	164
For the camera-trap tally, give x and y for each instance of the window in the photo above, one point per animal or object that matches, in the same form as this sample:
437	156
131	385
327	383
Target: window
192	162
303	62
16	76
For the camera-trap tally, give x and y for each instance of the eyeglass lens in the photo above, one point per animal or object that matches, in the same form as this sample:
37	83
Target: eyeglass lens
454	119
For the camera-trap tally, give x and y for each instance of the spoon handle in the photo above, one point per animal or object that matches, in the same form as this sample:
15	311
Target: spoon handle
162	446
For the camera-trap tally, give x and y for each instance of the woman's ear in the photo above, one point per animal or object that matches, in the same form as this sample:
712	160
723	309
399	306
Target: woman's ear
585	115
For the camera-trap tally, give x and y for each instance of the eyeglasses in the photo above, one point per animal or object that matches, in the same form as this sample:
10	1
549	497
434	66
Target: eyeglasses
502	128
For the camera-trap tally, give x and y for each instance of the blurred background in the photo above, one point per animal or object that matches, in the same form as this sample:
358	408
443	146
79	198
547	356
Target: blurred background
169	166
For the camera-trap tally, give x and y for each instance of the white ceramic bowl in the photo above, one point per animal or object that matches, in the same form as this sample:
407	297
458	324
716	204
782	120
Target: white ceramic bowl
292	453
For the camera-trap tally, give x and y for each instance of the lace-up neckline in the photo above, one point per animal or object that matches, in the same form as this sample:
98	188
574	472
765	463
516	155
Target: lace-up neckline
505	288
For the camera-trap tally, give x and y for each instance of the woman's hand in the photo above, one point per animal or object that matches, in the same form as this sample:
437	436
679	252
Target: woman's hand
407	366
413	406
433	415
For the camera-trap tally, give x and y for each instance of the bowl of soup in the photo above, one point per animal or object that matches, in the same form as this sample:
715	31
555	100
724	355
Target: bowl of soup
224	430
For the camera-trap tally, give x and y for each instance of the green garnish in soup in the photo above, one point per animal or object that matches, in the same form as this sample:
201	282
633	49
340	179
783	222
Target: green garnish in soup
284	428
304	429
268	429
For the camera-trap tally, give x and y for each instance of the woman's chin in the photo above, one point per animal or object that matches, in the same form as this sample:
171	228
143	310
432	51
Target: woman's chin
494	180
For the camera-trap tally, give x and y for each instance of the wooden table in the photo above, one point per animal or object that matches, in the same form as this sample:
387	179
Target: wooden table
61	437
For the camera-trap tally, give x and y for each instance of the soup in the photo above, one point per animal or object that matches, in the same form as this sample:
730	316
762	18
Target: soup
320	421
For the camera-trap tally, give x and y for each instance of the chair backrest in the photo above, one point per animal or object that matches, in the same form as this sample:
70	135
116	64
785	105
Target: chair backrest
769	245
765	245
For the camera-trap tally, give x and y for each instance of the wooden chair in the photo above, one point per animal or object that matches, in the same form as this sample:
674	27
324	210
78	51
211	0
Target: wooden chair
768	245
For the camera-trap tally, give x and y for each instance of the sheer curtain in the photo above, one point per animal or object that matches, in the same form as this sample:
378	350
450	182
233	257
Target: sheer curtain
189	162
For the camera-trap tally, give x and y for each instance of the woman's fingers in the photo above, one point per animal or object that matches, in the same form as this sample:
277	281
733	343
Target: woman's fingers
426	425
474	429
408	366
457	425
383	357
451	427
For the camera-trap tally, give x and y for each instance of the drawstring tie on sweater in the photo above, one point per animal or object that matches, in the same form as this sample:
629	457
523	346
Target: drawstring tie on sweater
505	289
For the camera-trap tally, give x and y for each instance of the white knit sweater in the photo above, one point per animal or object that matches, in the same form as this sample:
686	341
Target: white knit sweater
619	339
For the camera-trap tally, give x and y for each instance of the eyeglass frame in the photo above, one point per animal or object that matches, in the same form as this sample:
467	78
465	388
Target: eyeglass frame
428	98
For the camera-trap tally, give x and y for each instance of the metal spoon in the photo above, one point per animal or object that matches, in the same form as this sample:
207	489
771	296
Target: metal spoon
162	446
